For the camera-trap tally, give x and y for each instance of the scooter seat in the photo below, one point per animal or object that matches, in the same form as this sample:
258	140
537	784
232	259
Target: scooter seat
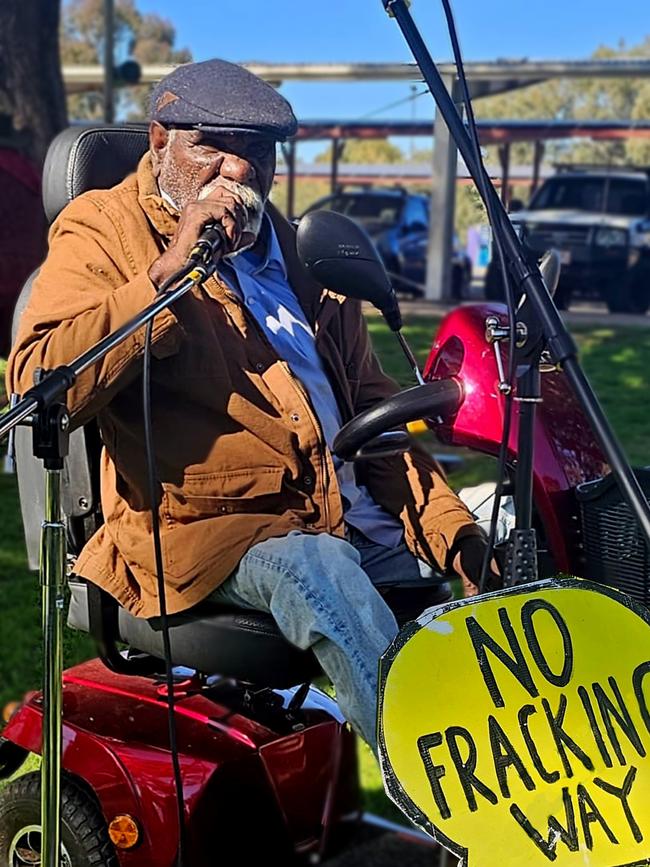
245	645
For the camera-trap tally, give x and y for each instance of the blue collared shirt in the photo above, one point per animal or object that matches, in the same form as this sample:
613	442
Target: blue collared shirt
262	284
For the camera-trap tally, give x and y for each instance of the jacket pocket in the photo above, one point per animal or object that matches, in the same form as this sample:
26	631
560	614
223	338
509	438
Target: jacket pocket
208	495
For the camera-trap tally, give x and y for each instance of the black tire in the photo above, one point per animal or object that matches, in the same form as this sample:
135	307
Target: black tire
461	279
562	297
628	298
494	290
84	835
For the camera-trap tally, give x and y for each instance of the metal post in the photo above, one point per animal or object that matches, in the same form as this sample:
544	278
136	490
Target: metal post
337	150
52	588
109	34
443	195
289	151
537	164
504	157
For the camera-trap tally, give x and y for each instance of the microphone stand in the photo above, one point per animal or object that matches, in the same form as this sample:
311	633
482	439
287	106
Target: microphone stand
43	407
543	326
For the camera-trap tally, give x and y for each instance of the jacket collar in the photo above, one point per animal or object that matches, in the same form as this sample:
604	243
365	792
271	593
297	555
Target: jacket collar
162	215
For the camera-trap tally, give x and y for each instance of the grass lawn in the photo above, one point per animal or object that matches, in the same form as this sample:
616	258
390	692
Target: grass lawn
617	360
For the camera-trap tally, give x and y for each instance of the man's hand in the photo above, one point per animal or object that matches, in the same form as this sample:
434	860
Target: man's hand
220	206
468	562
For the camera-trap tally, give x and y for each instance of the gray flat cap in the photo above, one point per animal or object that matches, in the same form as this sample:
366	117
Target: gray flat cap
219	96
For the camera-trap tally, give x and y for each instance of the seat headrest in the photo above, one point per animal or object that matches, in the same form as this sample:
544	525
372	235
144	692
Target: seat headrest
89	158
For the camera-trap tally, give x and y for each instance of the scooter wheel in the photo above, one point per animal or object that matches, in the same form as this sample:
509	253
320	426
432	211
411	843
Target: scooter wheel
84	836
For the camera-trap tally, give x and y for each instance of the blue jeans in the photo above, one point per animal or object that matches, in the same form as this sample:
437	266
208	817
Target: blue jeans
321	591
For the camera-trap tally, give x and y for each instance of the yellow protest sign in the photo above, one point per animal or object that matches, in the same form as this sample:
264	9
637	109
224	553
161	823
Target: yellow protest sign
515	728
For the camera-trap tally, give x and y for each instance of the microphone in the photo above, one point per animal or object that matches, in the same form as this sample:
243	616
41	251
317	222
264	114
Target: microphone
210	245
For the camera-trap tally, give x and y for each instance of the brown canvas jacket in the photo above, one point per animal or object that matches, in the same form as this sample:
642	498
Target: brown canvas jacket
239	451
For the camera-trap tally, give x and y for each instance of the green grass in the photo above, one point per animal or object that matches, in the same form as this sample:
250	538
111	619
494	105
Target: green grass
617	361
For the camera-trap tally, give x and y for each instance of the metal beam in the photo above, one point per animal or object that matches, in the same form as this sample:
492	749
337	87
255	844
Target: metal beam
490	131
442	206
518	73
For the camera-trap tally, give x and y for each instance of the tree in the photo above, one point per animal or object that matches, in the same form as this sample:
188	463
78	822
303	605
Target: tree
362	151
147	38
581	99
31	83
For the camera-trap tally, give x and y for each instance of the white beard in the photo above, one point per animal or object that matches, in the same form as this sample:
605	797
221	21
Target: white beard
252	201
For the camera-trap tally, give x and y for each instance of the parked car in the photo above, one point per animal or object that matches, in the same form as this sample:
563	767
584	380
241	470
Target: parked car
398	223
599	221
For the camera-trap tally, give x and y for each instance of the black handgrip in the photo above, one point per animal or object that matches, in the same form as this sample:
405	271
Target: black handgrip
439	399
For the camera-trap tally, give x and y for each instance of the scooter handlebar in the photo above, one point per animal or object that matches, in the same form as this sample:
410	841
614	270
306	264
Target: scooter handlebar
433	400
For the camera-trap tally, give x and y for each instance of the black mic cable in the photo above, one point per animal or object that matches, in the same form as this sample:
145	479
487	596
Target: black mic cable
208	247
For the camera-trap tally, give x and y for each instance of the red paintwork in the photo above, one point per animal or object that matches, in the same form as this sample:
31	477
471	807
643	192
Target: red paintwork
115	739
565	450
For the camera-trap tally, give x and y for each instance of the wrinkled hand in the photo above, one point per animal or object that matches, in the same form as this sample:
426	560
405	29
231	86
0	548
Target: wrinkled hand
468	562
222	207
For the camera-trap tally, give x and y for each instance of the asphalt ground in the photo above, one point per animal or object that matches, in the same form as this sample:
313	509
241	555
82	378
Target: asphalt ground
388	850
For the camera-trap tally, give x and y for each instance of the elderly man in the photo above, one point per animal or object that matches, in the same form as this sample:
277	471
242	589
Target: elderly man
253	375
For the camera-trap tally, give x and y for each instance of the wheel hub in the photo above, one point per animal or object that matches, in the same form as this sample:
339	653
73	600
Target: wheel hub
25	849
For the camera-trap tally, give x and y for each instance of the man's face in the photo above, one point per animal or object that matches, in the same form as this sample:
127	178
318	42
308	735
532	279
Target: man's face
193	164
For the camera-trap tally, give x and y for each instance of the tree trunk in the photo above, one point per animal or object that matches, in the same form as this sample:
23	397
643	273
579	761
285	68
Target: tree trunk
31	81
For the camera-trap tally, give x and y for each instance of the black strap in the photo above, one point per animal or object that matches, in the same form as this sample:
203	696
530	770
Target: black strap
103	625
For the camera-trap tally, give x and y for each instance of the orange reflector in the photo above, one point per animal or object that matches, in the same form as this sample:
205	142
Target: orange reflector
9	710
124	831
417	427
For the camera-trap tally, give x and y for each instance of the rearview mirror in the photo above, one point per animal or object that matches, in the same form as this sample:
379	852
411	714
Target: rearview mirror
340	256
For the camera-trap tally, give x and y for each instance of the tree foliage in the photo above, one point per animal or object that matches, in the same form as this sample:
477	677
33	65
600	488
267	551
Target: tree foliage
617	99
147	38
364	151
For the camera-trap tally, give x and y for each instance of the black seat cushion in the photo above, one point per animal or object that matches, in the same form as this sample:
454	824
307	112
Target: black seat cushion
89	158
246	645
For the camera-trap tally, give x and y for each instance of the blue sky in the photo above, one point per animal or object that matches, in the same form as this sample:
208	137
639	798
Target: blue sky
359	30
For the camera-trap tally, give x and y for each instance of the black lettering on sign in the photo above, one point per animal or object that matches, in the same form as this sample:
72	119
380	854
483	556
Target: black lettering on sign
434	772
585	698
637	681
515	663
505	756
527	711
623	794
622	716
562	739
591	815
530	608
556	832
465	767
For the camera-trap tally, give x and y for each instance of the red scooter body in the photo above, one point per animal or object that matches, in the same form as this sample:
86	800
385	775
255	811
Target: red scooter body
240	775
565	452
